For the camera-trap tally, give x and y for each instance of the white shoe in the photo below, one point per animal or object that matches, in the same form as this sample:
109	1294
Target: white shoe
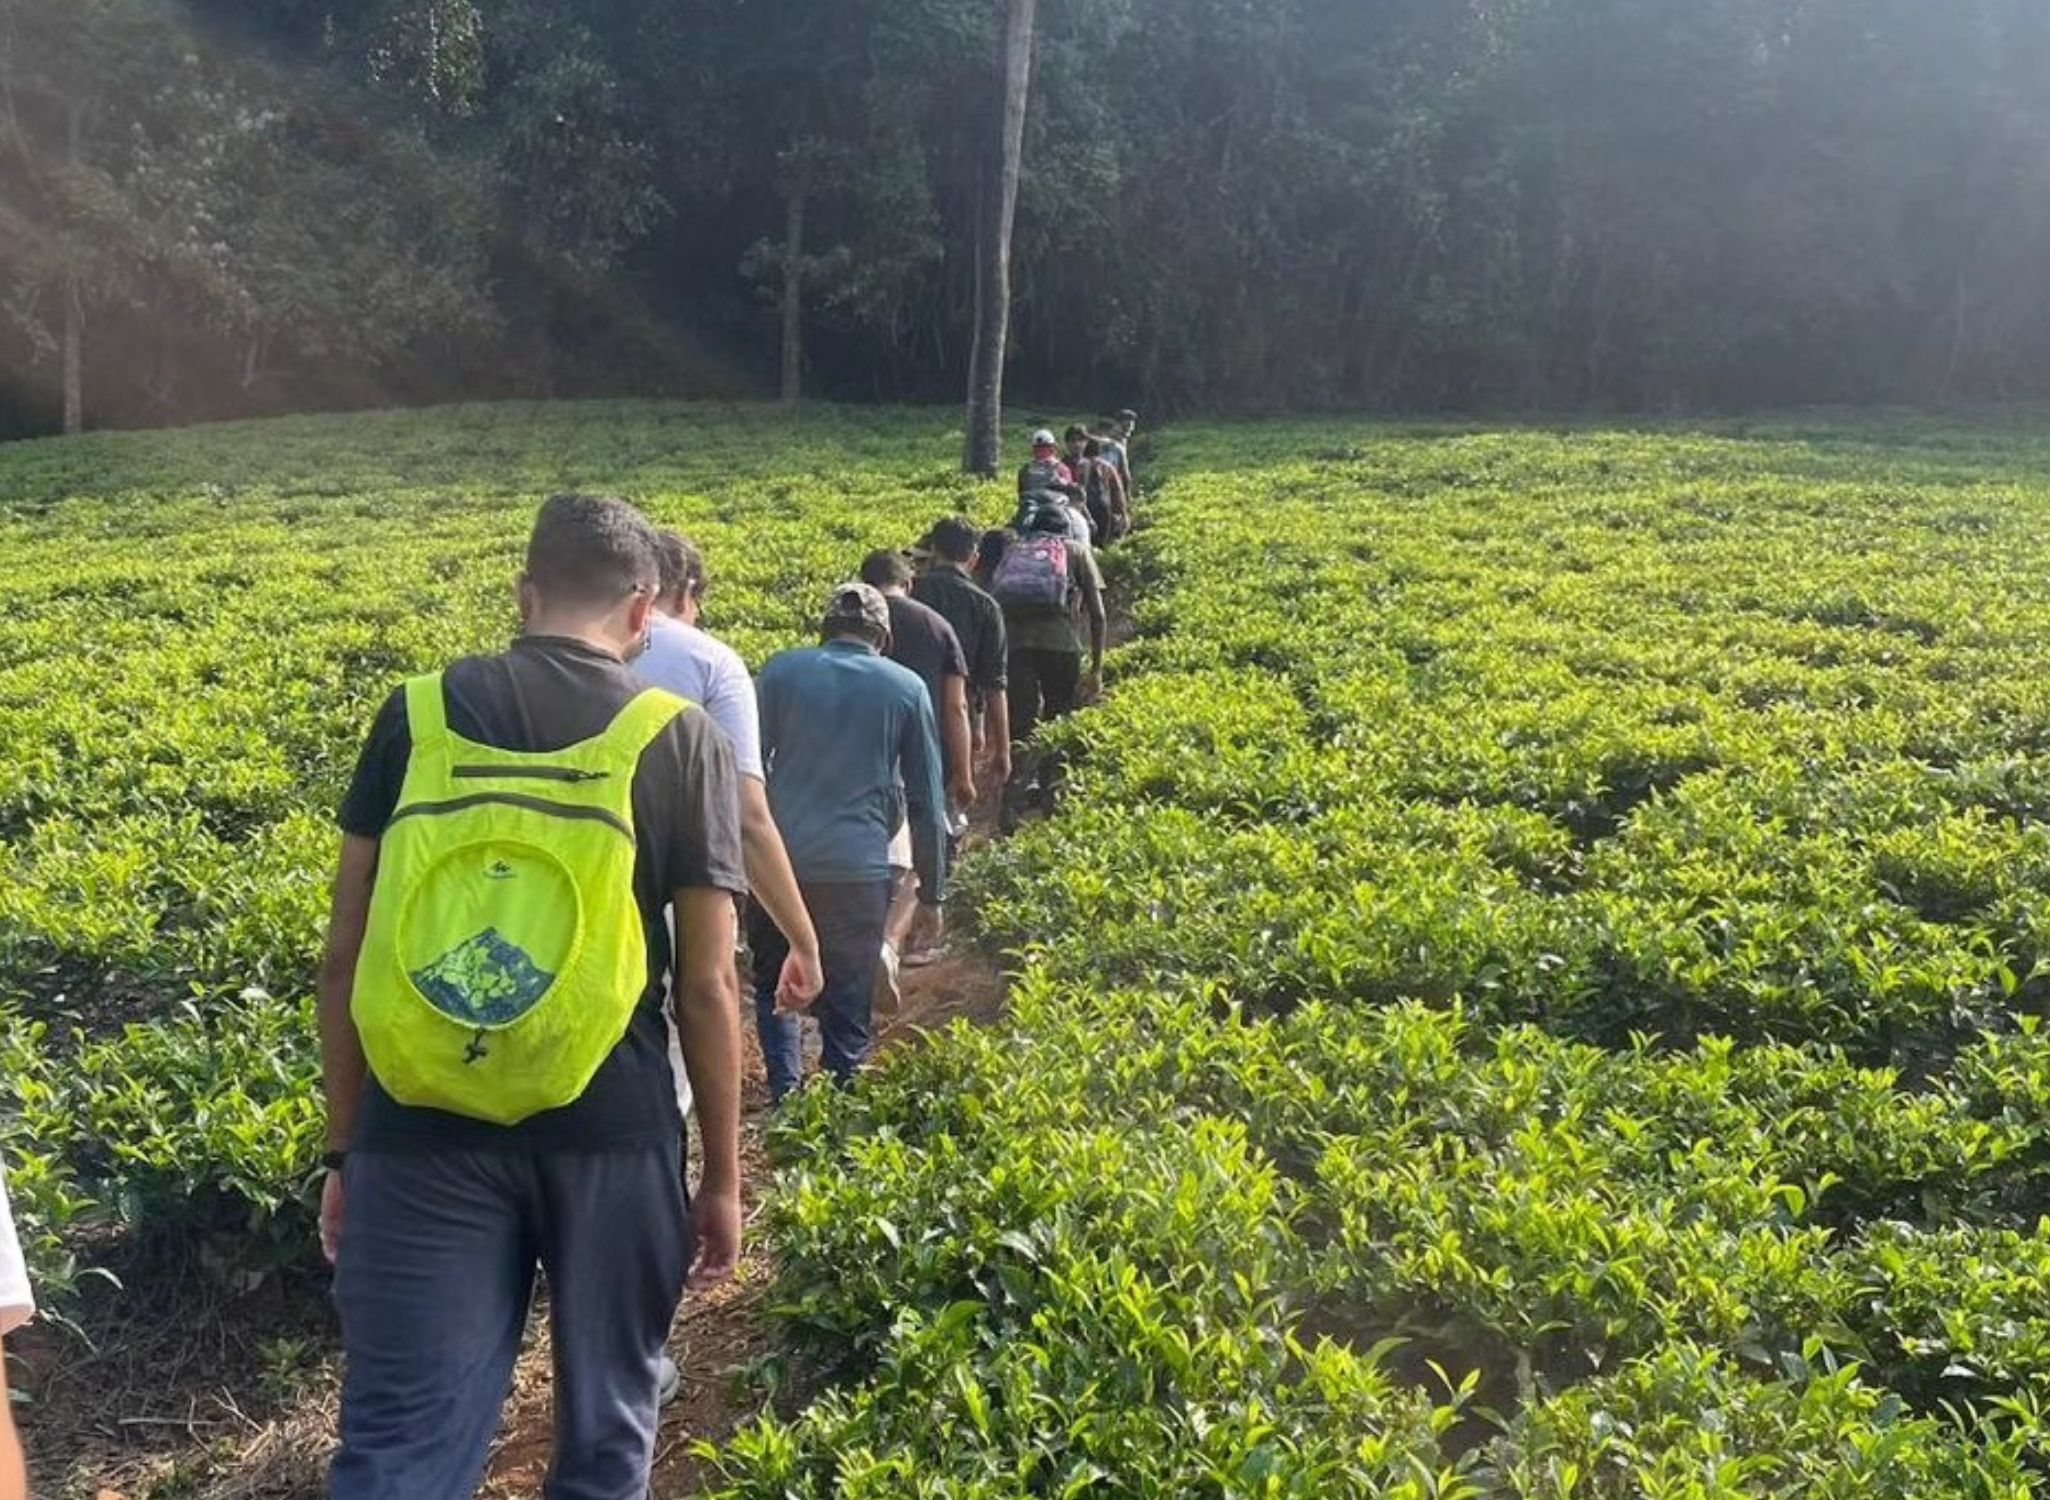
668	1382
889	997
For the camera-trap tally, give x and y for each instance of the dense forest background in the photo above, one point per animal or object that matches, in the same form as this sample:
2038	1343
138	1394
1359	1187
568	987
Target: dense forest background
216	207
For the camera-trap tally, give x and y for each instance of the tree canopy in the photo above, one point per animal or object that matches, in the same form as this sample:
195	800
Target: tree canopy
1227	204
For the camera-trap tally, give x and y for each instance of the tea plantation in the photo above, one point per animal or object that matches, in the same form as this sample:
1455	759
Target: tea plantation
1530	987
194	628
1532	991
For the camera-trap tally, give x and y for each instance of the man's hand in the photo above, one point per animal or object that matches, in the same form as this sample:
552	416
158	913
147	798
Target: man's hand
1092	685
803	977
715	1221
343	1071
707	1002
993	761
331	1217
961	790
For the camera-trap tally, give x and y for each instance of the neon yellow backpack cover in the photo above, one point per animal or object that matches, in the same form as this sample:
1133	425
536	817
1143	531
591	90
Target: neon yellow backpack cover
504	954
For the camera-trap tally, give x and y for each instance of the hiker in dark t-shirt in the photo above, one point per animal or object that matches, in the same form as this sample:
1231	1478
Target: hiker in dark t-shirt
1048	645
1117	502
436	1222
1103	487
989	553
922	640
1046	641
948	585
1091	483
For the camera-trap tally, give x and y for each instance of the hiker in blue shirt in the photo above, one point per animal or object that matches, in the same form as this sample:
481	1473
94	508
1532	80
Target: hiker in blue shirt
851	747
1116	436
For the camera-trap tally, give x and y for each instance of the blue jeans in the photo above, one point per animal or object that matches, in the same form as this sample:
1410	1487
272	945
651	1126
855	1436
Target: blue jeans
849	919
436	1272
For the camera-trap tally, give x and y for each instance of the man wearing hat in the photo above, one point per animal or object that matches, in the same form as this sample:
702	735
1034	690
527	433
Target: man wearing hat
1048	492
1046	473
851	748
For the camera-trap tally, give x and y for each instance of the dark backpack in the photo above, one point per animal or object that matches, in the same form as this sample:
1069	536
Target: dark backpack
1035	572
1041	477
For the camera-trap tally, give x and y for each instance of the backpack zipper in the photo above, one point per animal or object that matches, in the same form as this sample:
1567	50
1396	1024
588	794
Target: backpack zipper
527	773
514	799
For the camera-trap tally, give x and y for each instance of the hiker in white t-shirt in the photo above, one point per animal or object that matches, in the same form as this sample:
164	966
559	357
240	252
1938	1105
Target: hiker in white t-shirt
17	1306
686	661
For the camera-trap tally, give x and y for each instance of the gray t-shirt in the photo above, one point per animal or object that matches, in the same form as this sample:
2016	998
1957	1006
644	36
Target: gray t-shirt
683	660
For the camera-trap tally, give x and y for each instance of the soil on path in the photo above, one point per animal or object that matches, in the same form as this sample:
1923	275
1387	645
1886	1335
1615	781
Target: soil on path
205	1392
234	1397
720	1334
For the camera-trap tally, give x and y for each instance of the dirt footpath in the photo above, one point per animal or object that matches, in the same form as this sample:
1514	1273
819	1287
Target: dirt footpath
719	1335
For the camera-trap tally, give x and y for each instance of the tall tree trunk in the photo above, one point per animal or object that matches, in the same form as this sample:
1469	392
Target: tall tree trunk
74	359
74	308
793	292
984	447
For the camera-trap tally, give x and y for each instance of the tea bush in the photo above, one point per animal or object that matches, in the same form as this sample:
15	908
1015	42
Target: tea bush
194	630
1547	923
1532	986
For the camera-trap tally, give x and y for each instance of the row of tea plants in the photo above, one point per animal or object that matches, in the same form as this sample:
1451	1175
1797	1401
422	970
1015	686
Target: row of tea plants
1531	989
194	630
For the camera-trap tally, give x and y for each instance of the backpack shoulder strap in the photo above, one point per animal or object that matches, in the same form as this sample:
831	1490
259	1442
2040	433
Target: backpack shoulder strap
426	709
640	723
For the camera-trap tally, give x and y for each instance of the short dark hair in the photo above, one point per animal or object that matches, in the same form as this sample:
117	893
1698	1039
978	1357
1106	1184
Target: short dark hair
682	565
884	569
991	549
1093	448
954	539
592	550
1078	431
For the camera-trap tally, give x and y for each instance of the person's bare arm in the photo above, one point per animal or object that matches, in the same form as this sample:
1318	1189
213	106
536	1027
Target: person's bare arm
997	710
13	1469
708	1022
960	752
1099	620
775	885
343	1070
925	798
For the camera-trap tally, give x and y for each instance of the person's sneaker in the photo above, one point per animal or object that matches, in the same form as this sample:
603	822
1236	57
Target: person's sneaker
889	995
668	1382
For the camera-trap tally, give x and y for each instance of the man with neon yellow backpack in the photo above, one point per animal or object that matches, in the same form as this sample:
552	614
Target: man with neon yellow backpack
493	1043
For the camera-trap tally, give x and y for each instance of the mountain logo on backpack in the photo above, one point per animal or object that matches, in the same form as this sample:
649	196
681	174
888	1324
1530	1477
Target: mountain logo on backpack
505	956
485	981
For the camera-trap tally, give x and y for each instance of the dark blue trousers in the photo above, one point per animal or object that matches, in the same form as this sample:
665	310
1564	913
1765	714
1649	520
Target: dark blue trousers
438	1255
849	919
